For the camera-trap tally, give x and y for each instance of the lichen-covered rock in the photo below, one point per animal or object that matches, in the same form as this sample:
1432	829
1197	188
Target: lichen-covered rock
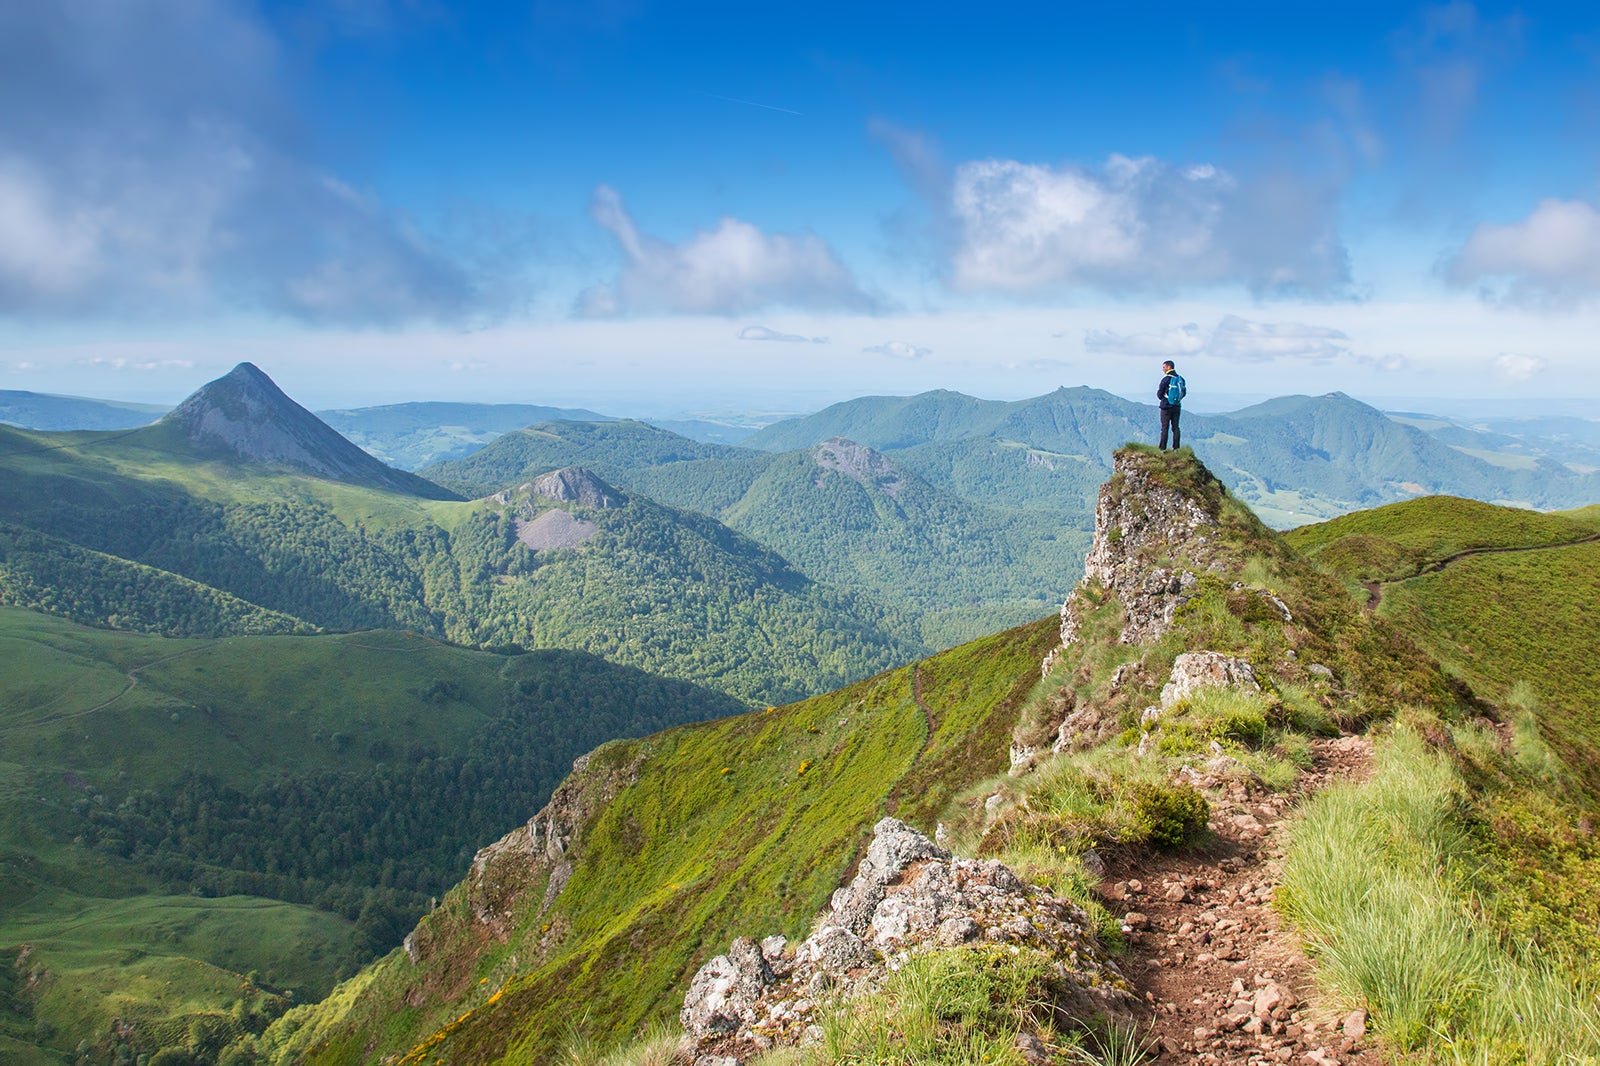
724	993
909	896
1201	669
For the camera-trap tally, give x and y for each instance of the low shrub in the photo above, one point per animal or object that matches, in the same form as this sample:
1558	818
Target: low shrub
1165	814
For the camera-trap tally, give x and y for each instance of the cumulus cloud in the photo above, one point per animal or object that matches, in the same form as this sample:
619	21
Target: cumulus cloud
157	164
1166	343
762	333
728	270
1518	369
1552	257
1143	224
898	350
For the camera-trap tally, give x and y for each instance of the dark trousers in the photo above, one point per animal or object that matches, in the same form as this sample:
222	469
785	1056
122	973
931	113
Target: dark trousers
1169	418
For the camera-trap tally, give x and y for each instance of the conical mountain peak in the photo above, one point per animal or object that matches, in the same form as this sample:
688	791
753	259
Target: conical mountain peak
244	415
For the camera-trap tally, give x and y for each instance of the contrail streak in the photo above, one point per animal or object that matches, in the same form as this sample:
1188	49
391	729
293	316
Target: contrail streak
747	103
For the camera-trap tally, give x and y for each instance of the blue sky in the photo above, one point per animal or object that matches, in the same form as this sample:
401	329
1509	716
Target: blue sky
658	208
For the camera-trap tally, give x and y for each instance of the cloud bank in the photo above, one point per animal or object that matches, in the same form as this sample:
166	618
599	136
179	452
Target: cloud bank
1142	224
151	161
1550	258
1239	340
898	350
732	269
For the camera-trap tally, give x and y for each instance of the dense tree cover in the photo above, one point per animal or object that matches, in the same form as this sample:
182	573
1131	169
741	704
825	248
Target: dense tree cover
670	592
44	573
964	569
375	844
296	558
608	448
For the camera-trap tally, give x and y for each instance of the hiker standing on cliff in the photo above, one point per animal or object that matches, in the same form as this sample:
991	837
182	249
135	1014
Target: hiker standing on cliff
1171	392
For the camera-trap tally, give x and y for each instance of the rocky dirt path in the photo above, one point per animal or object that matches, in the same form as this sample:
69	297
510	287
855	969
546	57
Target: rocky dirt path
1223	980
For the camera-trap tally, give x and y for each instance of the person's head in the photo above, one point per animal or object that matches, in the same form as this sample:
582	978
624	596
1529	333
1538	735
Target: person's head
1168	367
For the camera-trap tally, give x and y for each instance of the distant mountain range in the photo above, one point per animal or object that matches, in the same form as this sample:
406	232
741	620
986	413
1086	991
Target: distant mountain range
38	410
240	511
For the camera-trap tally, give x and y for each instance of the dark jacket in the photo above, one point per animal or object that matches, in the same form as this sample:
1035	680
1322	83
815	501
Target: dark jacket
1161	393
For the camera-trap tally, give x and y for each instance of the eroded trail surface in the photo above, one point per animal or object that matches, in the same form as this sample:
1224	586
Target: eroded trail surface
1224	980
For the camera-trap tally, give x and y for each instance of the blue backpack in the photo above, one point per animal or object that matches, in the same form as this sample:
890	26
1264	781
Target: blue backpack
1177	389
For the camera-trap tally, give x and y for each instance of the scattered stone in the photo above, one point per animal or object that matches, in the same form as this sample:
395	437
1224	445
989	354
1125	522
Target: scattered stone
1175	894
1135	920
1033	1050
1355	1024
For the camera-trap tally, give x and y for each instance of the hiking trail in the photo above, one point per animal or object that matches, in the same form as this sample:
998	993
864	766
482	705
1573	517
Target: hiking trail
1221	976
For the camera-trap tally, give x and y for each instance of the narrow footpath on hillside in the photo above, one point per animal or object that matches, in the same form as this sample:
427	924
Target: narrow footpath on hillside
1222	978
1375	588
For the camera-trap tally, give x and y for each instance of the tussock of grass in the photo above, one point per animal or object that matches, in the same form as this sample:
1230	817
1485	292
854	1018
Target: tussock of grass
963	1007
1380	877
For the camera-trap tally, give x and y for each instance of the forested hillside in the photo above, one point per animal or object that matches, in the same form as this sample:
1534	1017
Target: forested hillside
340	782
150	530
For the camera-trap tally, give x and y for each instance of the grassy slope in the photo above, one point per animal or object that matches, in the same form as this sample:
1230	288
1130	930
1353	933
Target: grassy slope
86	716
1401	539
1519	627
738	825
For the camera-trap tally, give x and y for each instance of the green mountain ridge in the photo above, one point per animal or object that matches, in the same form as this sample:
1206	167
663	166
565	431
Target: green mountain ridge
40	410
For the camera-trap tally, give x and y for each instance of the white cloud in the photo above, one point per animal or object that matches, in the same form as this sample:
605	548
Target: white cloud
1242	339
762	333
1233	338
120	363
898	350
1388	363
731	269
1143	224
157	165
1518	369
1552	257
1166	343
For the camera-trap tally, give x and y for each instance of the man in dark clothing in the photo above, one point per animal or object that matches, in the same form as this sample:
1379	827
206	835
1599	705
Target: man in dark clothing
1171	408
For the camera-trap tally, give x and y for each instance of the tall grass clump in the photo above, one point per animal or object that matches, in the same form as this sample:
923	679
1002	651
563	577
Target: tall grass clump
1379	875
963	1007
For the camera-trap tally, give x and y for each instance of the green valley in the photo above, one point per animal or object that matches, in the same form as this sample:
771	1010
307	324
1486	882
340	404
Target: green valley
181	812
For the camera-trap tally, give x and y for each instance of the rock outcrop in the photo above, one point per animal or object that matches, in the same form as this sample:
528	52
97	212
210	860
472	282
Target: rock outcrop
538	852
575	484
859	463
1202	669
1140	526
909	896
